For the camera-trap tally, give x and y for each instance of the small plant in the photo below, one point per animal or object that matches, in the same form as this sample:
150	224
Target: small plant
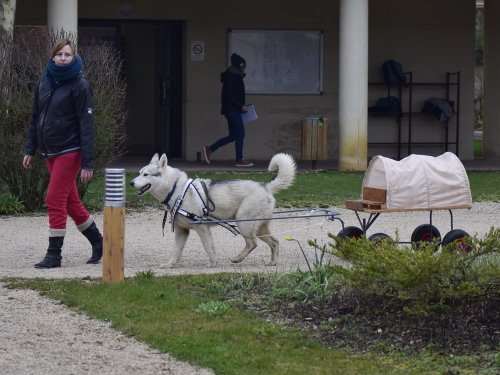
10	204
145	275
316	283
318	260
213	308
266	331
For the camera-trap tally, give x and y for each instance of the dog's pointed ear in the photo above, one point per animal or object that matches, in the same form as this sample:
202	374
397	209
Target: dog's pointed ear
163	161
155	159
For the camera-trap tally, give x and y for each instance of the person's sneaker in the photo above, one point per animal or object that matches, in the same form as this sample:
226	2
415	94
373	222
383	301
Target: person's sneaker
206	154
242	163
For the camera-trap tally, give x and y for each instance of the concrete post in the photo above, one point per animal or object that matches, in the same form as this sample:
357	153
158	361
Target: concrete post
491	109
62	15
353	85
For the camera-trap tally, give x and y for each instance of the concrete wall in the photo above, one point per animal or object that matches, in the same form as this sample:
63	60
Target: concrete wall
429	37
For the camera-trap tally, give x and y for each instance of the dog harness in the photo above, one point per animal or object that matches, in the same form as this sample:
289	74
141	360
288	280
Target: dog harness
207	207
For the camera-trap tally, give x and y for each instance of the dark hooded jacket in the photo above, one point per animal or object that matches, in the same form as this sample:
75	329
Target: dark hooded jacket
233	90
62	120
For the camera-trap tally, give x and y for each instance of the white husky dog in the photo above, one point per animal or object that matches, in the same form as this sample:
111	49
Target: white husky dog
189	200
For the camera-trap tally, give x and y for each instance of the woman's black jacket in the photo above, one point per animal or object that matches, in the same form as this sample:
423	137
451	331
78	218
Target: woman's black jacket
62	121
233	91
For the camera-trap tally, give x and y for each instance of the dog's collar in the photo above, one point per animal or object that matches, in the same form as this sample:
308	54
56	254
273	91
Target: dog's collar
169	196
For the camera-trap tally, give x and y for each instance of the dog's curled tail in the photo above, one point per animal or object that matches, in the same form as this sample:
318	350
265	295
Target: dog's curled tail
285	165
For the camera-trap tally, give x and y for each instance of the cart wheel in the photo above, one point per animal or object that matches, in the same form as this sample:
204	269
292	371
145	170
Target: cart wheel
425	233
350	232
456	240
379	237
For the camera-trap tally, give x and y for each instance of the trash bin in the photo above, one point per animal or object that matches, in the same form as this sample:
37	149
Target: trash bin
314	139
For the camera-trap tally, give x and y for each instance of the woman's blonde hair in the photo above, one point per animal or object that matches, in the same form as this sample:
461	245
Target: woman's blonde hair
60	44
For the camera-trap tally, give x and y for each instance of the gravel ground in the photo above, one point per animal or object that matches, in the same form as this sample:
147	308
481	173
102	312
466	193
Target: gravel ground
40	336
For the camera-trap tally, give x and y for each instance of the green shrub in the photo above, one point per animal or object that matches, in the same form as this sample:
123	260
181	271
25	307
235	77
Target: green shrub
213	308
22	62
103	69
17	80
9	204
423	282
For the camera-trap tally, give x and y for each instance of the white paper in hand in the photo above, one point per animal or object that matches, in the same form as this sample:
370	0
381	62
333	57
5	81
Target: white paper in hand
250	115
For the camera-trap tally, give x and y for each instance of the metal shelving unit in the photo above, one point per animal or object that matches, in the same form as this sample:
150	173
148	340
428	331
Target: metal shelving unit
408	114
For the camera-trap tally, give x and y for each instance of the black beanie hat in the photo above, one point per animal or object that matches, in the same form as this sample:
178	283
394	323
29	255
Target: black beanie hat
237	61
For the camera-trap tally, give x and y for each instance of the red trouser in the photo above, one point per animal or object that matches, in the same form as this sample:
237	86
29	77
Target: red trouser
62	194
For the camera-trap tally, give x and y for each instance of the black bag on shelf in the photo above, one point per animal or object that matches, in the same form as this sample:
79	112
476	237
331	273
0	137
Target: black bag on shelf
386	105
442	109
393	73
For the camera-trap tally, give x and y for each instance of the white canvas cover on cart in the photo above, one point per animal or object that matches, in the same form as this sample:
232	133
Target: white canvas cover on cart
420	182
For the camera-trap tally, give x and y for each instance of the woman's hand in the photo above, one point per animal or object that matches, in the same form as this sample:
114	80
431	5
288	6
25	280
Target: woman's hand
86	175
244	109
27	161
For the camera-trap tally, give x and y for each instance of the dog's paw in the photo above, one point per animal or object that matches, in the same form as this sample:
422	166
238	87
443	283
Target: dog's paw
271	263
214	263
236	260
168	265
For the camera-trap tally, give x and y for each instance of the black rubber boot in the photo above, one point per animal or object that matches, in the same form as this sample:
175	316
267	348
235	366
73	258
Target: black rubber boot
95	239
53	257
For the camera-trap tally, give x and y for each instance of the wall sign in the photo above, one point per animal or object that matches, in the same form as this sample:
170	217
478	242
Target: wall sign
197	50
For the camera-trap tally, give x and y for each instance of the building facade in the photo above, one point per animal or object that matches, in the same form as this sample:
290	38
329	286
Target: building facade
175	51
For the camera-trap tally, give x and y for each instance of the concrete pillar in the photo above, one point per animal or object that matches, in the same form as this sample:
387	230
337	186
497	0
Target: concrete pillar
491	109
353	85
62	15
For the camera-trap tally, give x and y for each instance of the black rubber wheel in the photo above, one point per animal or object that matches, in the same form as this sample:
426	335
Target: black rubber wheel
455	240
379	237
425	233
350	232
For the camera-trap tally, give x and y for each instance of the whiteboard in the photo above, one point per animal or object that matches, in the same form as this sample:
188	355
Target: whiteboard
280	61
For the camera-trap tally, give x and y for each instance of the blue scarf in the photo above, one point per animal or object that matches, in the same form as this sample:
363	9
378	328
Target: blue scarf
59	74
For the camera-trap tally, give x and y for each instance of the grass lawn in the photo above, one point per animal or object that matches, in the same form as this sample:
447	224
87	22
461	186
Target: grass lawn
311	189
184	316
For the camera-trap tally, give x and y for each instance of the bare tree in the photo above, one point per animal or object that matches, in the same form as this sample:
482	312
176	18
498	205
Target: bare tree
7	16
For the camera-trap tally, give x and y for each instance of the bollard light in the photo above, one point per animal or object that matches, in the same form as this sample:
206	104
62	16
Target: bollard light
115	187
114	226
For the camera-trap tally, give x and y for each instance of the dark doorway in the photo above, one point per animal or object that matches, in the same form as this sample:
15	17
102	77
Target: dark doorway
168	69
152	55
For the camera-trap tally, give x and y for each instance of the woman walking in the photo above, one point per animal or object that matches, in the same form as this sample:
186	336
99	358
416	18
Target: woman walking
233	105
61	128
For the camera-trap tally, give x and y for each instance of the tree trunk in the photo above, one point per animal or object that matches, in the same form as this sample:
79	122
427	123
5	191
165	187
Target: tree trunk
7	16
